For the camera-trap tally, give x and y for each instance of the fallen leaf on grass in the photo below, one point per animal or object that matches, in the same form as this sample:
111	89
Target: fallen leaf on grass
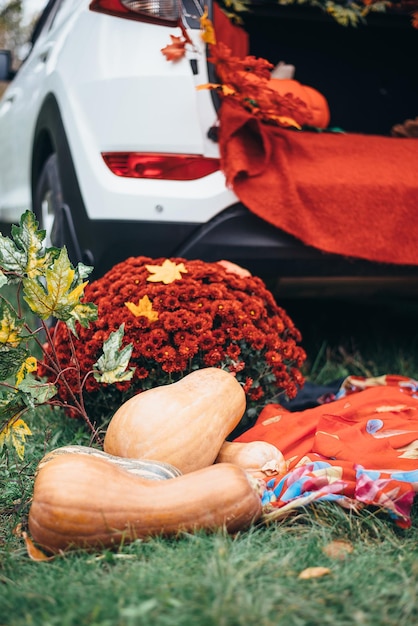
314	572
33	552
338	549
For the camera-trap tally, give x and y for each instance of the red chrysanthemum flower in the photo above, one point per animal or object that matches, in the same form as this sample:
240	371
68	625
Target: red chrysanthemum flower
207	317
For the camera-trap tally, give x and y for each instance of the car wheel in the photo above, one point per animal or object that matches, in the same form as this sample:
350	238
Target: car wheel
48	202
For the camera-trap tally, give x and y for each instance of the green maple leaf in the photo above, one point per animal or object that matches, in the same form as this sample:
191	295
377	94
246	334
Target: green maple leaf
11	360
3	279
10	325
59	294
14	434
84	313
24	253
12	407
111	366
35	391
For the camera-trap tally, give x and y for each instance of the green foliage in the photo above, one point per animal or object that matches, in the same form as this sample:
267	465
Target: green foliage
112	365
53	290
347	13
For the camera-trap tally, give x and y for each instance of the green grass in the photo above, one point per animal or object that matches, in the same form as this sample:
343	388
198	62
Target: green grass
219	580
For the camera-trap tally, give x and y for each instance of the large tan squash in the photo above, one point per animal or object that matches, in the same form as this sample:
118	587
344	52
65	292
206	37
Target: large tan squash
184	423
84	501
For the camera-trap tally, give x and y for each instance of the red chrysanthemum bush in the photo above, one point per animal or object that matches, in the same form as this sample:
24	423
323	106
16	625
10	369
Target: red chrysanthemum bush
196	315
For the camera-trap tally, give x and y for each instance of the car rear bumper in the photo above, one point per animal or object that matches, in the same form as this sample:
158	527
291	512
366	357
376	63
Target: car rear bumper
235	234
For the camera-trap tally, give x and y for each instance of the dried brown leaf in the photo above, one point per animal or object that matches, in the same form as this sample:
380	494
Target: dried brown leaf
314	572
338	549
33	552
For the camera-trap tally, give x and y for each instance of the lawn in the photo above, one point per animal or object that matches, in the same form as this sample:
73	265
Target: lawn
248	579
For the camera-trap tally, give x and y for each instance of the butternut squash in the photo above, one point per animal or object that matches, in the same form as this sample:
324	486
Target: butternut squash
258	457
84	501
153	470
183	423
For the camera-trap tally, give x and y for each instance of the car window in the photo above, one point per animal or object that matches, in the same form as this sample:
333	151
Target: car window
43	23
63	9
44	19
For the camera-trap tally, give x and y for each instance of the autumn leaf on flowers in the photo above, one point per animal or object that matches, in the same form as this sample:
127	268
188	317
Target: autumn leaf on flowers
166	273
14	434
144	308
59	297
111	366
208	32
23	253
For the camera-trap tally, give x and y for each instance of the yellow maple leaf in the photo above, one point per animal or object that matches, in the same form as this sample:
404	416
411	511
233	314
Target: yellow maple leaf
207	86
283	120
8	335
144	307
15	433
10	326
225	89
29	365
208	32
166	273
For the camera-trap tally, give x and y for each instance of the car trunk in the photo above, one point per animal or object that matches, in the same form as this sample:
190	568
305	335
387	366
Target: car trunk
367	72
368	76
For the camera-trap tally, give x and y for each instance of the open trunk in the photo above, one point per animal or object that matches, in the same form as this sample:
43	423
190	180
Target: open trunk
367	72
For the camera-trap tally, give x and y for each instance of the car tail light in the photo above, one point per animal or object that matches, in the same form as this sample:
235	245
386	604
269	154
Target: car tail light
158	11
160	166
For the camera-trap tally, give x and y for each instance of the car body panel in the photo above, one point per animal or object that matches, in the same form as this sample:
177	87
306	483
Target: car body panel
115	91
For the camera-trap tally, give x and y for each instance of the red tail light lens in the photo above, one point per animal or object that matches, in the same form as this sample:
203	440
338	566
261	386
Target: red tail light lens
160	11
160	166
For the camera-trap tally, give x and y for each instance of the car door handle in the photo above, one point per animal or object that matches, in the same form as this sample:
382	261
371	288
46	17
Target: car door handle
10	98
44	54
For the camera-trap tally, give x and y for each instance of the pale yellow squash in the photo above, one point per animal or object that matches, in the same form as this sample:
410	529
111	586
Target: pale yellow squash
183	423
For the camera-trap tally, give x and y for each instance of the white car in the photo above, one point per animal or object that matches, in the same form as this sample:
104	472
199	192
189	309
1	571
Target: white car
114	148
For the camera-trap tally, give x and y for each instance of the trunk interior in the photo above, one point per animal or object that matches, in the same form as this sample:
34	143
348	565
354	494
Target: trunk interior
368	73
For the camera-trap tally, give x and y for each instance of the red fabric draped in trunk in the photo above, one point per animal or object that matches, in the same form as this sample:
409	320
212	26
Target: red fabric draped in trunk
350	194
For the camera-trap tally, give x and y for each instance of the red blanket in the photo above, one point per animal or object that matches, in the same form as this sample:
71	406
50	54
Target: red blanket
349	194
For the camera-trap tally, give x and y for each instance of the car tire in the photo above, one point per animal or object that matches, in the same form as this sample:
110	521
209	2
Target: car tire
48	201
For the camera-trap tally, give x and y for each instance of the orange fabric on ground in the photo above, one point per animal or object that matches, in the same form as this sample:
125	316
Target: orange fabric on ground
349	194
369	428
